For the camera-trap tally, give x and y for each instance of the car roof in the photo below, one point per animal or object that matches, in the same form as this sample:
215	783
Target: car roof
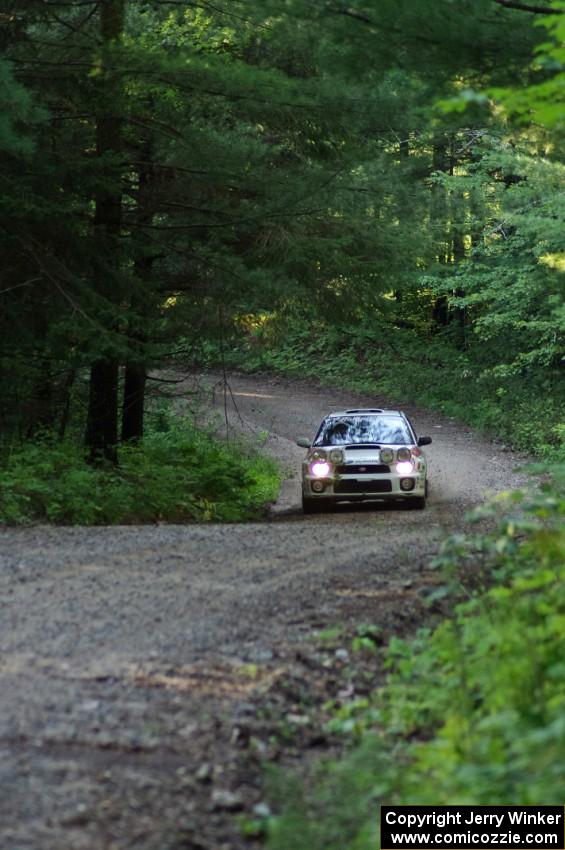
371	411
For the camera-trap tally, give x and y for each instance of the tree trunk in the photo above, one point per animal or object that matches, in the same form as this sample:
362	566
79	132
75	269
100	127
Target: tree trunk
440	162
134	401
102	421
42	411
136	369
66	400
460	313
459	214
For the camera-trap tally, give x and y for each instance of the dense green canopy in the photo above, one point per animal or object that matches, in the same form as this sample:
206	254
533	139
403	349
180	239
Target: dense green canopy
175	171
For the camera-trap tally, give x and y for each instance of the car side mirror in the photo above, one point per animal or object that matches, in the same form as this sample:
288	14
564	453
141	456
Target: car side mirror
424	441
303	443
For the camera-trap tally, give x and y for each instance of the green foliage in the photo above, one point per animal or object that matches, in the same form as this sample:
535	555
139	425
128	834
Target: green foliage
176	475
543	100
366	638
217	164
16	111
507	289
473	710
248	166
396	362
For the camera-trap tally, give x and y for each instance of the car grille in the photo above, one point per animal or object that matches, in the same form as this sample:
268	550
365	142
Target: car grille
357	468
363	486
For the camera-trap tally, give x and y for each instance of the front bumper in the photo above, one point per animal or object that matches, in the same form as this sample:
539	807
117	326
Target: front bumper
358	487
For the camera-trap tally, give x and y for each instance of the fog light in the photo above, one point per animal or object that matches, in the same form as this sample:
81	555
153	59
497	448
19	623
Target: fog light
318	486
407	484
404	468
320	469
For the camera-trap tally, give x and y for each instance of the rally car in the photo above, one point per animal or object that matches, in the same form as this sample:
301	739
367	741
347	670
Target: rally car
364	454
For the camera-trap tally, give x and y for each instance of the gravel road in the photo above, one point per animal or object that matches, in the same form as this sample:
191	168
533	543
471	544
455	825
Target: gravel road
144	671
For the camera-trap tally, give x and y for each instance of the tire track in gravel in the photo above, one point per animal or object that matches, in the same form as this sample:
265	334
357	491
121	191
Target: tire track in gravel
145	671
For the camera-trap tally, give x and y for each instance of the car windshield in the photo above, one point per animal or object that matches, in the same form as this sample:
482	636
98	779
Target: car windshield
342	430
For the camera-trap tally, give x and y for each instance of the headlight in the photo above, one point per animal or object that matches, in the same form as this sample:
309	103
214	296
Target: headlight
404	454
337	456
318	454
387	455
404	467
320	469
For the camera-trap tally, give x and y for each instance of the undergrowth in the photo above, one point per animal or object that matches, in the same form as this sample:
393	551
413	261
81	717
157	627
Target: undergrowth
527	412
473	711
176	474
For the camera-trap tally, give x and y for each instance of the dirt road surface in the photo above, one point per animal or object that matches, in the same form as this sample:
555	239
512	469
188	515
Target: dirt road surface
147	674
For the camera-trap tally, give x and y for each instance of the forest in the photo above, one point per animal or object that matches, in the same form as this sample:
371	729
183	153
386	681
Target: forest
369	194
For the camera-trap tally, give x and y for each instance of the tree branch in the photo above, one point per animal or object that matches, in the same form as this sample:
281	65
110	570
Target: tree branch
73	3
365	19
525	7
353	13
79	29
202	225
19	285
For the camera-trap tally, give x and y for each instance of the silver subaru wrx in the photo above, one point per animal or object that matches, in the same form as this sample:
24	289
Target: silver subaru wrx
364	454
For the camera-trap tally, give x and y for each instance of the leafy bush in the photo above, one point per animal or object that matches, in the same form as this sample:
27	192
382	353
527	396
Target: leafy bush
174	475
473	711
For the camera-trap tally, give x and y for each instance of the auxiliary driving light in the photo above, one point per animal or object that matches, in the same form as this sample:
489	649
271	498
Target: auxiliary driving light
404	468
407	484
320	469
318	486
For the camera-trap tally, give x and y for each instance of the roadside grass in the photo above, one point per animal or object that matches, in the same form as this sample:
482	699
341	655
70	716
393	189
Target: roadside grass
176	474
473	710
526	412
